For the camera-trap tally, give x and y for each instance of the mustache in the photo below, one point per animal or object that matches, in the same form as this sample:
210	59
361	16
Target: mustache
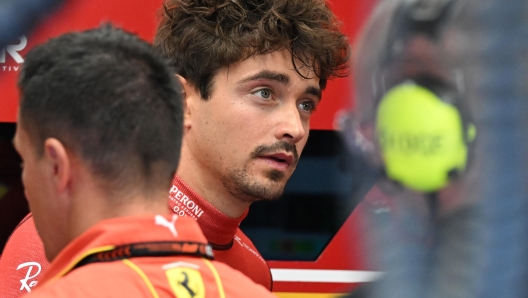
276	147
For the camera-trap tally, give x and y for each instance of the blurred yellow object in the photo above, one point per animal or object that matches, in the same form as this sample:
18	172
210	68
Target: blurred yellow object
421	137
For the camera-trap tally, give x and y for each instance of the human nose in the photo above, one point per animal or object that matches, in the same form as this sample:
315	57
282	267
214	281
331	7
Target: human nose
291	127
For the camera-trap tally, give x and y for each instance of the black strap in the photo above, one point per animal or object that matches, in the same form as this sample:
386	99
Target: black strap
222	246
149	249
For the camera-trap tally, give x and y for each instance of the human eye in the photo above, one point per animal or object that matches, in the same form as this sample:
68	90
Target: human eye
264	93
307	106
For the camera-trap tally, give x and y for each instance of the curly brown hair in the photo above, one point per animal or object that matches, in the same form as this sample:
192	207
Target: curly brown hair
203	36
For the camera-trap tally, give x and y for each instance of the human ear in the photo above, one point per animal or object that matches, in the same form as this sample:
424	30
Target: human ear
189	94
59	163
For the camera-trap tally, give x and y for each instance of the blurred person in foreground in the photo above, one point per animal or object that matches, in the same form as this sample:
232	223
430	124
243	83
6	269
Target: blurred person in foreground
253	73
412	122
441	111
99	133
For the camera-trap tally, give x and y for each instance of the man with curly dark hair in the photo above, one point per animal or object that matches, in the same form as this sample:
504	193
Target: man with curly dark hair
253	72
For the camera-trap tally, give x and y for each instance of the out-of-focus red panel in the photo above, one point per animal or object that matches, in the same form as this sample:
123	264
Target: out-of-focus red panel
138	16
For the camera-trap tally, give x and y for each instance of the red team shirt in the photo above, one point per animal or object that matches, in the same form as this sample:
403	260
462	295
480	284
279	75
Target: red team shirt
23	259
230	245
137	268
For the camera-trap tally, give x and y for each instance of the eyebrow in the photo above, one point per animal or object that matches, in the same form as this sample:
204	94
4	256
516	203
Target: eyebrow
267	75
281	78
314	91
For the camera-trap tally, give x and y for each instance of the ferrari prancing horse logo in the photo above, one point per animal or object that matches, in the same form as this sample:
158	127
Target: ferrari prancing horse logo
186	282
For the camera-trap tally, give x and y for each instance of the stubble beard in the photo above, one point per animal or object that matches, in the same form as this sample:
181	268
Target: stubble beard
246	188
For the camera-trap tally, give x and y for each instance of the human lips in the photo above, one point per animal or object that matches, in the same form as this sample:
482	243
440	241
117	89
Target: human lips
280	160
280	155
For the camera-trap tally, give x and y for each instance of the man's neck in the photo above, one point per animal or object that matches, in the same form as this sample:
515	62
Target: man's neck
95	206
211	189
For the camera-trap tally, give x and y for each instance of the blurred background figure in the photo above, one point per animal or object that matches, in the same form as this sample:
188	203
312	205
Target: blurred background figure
441	115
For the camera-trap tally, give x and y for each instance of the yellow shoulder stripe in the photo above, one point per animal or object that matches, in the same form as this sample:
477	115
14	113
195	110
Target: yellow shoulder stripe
216	276
78	259
143	277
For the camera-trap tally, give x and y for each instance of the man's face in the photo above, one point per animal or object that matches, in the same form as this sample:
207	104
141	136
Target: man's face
252	130
36	178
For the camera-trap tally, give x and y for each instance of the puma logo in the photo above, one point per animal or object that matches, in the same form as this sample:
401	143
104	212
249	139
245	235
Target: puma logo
162	221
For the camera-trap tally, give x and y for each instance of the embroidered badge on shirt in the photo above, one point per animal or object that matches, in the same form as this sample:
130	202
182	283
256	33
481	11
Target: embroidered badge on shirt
186	282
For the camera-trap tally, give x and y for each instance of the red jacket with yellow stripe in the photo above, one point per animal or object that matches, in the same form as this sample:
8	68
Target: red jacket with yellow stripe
147	256
23	260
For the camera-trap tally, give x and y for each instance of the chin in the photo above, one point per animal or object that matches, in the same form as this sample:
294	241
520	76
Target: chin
267	186
273	189
258	191
277	176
